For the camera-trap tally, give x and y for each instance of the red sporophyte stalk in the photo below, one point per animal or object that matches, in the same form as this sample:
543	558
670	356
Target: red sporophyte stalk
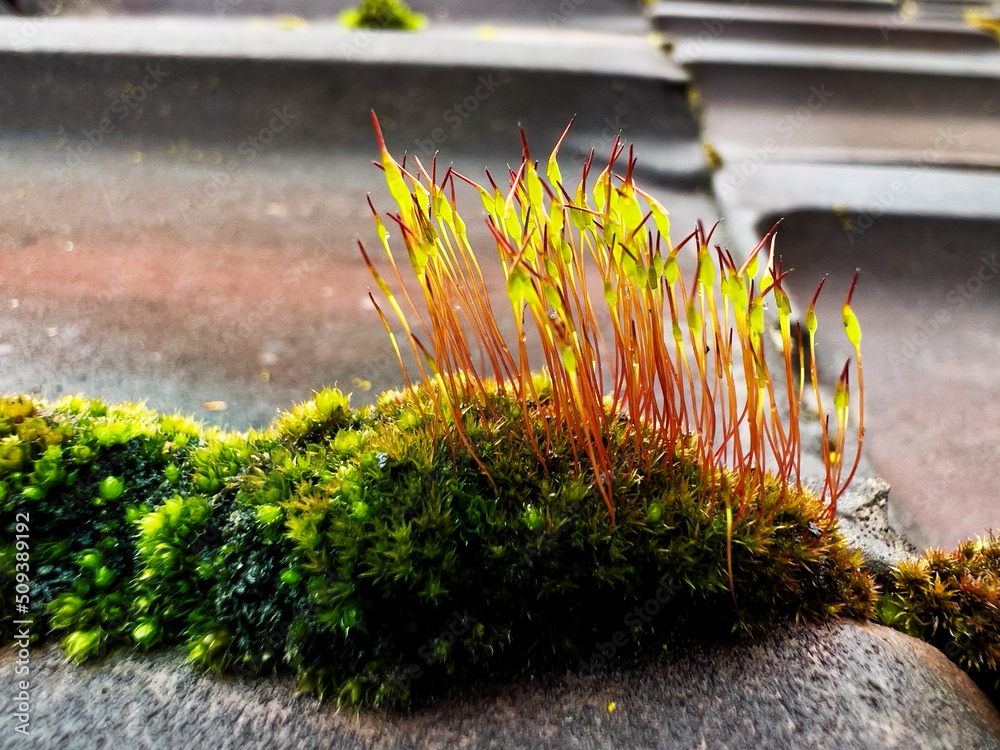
686	360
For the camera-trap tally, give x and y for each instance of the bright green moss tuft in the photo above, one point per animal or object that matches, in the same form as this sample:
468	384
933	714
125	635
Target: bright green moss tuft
79	474
382	14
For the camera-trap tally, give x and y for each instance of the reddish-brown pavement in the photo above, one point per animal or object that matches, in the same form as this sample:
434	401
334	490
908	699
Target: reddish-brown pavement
127	278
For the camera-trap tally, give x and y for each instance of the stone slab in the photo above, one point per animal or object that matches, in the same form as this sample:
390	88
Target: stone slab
775	103
128	82
622	15
842	686
508	47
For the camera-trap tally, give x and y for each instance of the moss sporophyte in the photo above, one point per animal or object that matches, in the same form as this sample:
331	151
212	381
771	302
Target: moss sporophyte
682	365
498	514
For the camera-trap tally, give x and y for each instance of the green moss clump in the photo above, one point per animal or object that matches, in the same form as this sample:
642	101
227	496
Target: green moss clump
363	551
382	14
952	600
366	553
78	474
410	575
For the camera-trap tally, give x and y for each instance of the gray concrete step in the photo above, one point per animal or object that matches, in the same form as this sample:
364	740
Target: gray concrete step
181	198
619	15
766	102
133	83
692	25
873	6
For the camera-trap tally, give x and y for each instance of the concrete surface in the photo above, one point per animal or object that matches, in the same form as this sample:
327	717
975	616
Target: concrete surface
180	226
509	47
842	686
700	23
619	15
210	82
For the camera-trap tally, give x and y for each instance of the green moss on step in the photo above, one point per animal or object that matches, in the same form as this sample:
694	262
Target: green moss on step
359	550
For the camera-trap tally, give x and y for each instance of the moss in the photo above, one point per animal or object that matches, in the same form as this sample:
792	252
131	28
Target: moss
712	156
986	22
400	573
360	550
382	14
79	473
952	600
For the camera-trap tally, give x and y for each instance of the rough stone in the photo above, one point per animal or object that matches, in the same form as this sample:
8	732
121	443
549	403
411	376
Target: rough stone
863	519
843	685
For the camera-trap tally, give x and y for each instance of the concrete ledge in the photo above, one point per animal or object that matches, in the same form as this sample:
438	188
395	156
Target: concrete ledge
875	6
704	22
513	48
767	103
782	187
216	82
985	65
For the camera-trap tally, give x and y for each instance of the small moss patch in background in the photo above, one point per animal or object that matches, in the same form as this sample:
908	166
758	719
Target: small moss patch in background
393	15
952	600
